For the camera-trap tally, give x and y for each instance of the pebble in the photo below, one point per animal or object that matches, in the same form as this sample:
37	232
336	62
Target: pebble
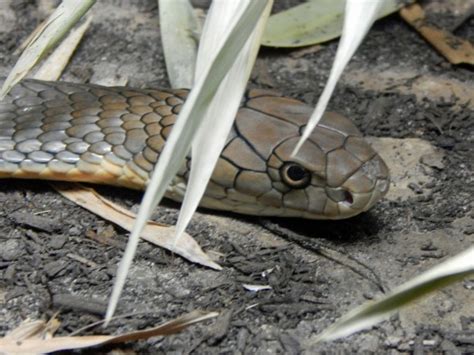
369	345
9	273
57	241
392	341
405	346
54	267
74	231
469	229
11	249
432	160
446	142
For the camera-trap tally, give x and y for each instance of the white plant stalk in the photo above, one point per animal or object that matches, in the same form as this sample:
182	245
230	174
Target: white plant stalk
359	17
68	13
452	270
186	126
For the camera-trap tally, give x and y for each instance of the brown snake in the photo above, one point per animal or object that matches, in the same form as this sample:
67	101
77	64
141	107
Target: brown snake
88	133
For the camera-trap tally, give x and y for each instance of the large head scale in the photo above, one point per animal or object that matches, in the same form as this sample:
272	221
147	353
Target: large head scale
335	175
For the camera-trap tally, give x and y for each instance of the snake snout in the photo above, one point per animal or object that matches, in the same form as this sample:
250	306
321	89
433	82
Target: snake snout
377	171
366	186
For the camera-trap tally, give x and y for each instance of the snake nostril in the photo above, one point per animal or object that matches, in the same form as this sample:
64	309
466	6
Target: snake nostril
340	195
348	198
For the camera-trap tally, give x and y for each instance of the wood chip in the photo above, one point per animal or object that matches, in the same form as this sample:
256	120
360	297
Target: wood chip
82	260
79	303
37	222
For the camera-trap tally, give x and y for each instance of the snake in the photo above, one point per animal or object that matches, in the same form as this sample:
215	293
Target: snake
114	135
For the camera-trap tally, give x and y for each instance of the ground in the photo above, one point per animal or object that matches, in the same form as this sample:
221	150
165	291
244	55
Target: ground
55	256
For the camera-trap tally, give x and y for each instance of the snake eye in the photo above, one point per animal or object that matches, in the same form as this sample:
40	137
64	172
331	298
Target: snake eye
295	176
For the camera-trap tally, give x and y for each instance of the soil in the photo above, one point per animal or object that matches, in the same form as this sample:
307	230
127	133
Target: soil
55	256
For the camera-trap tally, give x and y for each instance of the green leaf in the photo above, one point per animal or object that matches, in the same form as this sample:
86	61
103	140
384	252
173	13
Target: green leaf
313	22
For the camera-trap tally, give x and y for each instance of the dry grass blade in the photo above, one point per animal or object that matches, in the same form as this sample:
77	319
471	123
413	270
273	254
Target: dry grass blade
58	24
158	234
179	28
179	142
168	328
359	17
26	330
214	129
54	66
33	345
446	273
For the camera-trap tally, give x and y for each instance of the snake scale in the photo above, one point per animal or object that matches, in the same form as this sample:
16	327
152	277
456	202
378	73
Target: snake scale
114	135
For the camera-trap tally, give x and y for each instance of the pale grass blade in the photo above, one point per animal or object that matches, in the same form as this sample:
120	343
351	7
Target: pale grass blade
54	65
214	129
55	28
359	17
179	141
179	30
365	316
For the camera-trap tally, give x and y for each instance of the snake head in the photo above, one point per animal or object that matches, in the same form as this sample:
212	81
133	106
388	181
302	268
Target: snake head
336	174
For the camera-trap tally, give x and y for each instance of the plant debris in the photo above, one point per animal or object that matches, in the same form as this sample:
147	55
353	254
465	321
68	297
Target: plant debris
37	337
453	48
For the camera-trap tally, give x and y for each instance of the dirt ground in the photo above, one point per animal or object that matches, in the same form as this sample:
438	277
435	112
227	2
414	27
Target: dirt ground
55	256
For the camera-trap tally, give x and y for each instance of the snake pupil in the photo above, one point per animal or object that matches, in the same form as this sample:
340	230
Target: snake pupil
296	173
295	176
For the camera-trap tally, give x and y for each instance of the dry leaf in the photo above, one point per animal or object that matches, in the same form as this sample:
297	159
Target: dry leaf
158	234
26	330
29	343
454	49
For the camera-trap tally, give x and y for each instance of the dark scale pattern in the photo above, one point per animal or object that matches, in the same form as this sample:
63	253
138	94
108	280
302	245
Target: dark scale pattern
64	131
57	129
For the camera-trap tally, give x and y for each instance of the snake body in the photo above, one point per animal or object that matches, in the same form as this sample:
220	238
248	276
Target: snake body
114	135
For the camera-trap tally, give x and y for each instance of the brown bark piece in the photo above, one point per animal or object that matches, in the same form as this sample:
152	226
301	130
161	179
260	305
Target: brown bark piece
456	50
